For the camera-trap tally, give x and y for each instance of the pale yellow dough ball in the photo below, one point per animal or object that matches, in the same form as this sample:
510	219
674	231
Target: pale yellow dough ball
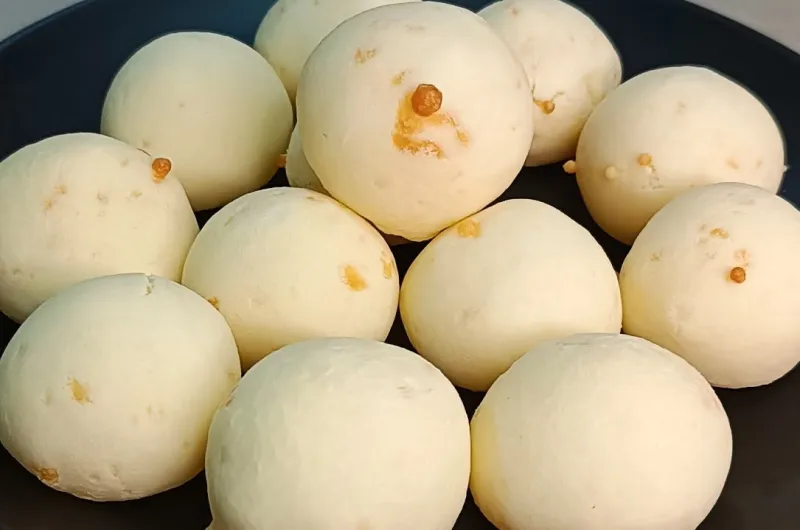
210	103
666	131
489	289
288	264
340	434
107	391
78	206
599	432
415	115
713	277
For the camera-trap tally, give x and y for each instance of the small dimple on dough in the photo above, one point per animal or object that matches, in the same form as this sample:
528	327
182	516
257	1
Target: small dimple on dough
102	198
79	392
48	475
353	279
468	228
655	256
742	256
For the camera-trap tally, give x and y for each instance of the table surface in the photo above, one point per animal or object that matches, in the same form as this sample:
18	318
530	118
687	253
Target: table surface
778	19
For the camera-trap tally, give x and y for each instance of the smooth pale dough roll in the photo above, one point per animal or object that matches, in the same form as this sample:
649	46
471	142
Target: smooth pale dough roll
78	206
599	432
487	290
339	434
713	277
107	391
288	264
399	127
210	103
571	65
666	131
293	28
300	174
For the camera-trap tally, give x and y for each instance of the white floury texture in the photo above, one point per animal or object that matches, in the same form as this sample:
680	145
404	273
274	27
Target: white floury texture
78	206
107	391
489	289
599	432
415	115
288	264
713	277
339	434
210	103
666	131
571	65
293	28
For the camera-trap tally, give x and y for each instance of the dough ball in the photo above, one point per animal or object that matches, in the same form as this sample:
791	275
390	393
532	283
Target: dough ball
78	206
713	277
599	432
340	434
299	172
287	264
666	131
399	127
210	103
107	391
492	287
571	65
293	28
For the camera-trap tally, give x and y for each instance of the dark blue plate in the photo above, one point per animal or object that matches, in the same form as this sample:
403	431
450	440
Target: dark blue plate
53	78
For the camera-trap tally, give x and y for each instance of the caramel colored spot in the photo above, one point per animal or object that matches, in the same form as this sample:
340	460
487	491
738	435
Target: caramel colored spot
353	279
720	233
399	78
644	160
48	204
738	275
161	168
409	124
48	475
363	56
570	167
426	100
546	106
468	228
214	301
388	267
732	163
79	392
281	161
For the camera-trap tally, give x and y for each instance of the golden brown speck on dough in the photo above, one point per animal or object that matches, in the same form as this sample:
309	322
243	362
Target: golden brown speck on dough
78	391
399	78
161	168
409	124
655	256
720	233
48	204
547	106
644	159
738	275
60	190
732	163
353	279
570	167
135	194
103	199
426	100
48	475
362	56
388	266
468	228
282	161
214	301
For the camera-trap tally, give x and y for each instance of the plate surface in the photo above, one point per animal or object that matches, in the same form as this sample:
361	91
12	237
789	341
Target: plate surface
53	78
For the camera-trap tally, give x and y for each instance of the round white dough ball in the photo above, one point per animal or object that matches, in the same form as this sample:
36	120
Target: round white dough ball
299	172
571	65
340	434
210	103
107	391
713	278
78	206
293	28
599	432
666	131
288	264
398	126
490	288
